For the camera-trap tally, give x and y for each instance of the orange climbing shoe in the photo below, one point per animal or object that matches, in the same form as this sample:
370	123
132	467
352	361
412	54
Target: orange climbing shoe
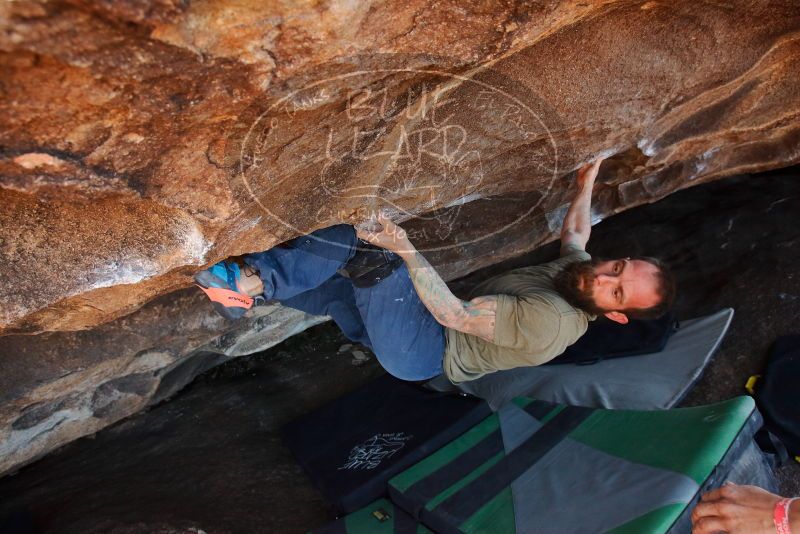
221	284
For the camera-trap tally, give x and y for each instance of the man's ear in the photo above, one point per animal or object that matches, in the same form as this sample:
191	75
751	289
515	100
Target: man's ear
617	317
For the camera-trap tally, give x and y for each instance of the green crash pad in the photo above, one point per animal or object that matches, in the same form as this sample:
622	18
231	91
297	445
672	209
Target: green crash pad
541	467
380	517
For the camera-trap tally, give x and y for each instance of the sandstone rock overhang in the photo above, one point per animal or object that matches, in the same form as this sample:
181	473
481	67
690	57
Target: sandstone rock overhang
142	140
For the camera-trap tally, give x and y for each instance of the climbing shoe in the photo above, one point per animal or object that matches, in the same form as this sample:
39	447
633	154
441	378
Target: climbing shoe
370	265
221	284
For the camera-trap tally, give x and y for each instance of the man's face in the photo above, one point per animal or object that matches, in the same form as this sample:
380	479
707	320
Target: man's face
604	286
623	284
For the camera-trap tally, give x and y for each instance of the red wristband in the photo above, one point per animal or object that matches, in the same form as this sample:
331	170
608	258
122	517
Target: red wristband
780	516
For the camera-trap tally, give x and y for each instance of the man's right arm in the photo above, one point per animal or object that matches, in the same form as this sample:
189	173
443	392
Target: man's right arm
577	224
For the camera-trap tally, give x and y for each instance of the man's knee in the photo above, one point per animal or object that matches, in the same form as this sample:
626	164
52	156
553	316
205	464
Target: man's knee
336	243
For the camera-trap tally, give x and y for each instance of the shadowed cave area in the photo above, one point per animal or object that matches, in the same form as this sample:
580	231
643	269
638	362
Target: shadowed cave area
210	458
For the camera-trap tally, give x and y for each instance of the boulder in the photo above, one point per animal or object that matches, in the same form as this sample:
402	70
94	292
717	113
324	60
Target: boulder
142	140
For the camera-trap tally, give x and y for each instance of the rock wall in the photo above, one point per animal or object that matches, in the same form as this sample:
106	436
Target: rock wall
58	386
142	140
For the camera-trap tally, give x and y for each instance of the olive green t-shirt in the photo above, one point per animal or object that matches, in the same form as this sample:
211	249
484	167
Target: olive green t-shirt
533	324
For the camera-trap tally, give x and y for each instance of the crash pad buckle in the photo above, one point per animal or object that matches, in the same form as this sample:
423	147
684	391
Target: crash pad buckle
381	515
750	385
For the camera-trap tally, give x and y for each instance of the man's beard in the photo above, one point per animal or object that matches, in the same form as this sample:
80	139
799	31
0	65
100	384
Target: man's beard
567	284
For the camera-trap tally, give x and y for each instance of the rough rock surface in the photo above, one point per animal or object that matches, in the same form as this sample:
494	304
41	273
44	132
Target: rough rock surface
59	386
212	458
143	139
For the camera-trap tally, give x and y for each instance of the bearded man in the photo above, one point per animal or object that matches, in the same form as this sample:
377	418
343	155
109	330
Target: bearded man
391	299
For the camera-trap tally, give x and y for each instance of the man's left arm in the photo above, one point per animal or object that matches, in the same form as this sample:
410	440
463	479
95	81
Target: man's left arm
577	224
476	317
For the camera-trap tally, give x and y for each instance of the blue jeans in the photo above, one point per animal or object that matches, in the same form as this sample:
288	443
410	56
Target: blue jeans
388	317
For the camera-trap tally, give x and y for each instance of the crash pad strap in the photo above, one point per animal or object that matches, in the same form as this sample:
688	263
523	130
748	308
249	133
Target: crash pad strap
540	409
444	477
462	504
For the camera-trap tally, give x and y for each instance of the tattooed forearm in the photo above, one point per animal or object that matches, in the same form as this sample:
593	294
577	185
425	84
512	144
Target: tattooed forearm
434	293
474	317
